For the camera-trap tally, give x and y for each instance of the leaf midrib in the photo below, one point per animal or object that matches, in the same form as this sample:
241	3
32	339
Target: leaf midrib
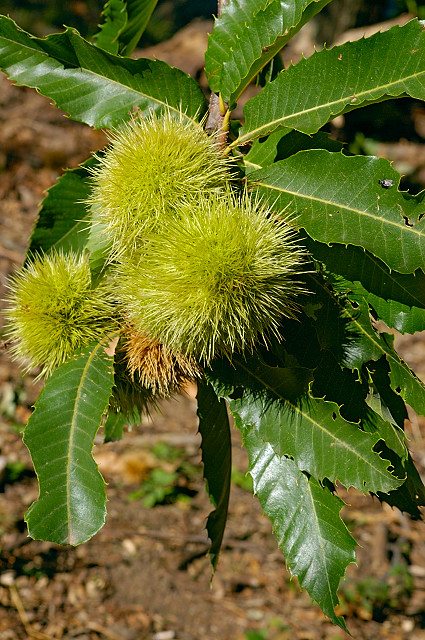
75	414
337	440
93	73
374	341
395	284
320	539
71	231
255	133
319	536
336	205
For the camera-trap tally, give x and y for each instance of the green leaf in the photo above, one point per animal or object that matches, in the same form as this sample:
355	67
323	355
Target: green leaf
410	496
294	141
398	316
59	436
114	20
381	384
388	64
319	440
114	426
327	329
263	152
342	386
217	458
383	423
276	381
138	15
371	345
63	220
305	517
281	145
94	86
403	379
338	199
247	36
124	23
98	245
398	299
358	402
362	344
270	71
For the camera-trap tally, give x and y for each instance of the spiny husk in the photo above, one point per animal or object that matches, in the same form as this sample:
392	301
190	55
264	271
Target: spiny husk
157	367
129	397
151	166
146	372
215	278
53	310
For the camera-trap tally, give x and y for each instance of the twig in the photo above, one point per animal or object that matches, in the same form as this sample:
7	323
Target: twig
215	117
31	633
218	120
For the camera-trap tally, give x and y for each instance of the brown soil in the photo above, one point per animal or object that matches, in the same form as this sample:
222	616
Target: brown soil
145	575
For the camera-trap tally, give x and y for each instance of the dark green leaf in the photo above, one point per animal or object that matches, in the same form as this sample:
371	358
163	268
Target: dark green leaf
263	152
138	15
306	521
72	504
98	245
247	36
403	380
123	25
390	286
63	221
295	141
319	440
114	426
271	70
326	322
379	372
94	86
370	274
358	402
342	386
410	495
275	381
388	64
217	458
280	145
114	20
338	199
371	345
396	315
381	422
361	344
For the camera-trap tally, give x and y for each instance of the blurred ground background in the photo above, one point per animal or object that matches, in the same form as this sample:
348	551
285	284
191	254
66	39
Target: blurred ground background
145	575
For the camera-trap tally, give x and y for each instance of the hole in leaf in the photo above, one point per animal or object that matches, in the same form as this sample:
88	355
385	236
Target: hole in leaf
237	393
